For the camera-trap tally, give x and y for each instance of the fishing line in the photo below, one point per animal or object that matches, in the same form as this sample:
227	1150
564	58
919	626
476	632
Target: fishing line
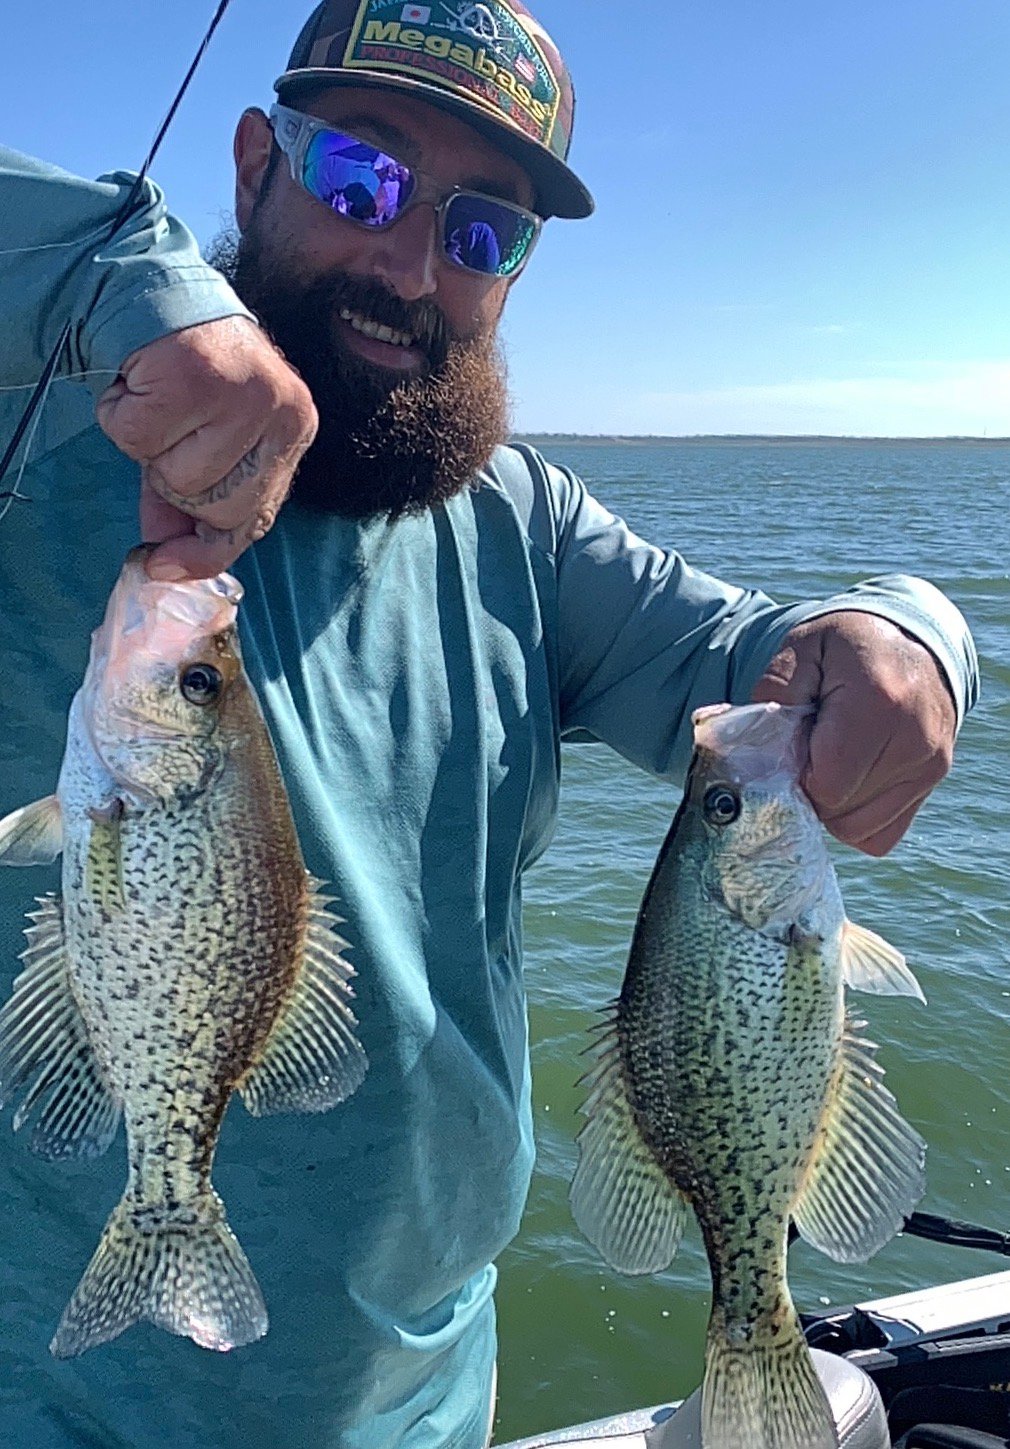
15	495
78	241
64	377
41	390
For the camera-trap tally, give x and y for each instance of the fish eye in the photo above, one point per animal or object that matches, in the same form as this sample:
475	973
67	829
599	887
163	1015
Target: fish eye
721	805
201	683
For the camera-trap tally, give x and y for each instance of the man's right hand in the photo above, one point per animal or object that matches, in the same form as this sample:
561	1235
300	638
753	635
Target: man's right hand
219	422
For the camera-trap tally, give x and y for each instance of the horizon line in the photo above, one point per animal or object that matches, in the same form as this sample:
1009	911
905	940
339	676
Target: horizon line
528	434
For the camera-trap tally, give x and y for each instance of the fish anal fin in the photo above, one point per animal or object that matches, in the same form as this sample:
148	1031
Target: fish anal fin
32	835
44	1043
869	963
621	1198
866	1173
312	1058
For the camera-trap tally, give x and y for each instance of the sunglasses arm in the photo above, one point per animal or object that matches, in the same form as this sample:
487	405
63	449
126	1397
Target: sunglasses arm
293	132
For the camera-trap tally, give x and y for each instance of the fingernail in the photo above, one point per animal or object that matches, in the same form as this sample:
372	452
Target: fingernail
165	572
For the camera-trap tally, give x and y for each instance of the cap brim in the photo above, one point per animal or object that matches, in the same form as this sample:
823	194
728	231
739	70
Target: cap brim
559	190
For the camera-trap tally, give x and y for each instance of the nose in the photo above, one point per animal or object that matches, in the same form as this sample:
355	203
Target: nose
406	254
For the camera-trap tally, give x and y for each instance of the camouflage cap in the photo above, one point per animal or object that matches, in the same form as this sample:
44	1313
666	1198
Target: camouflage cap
490	63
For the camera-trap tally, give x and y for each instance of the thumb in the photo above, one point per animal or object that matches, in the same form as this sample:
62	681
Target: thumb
105	407
792	676
149	406
123	416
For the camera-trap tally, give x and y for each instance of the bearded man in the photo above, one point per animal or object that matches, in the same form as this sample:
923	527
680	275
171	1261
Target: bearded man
424	621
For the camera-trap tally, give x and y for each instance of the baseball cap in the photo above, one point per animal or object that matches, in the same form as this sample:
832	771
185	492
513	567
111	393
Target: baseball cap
490	63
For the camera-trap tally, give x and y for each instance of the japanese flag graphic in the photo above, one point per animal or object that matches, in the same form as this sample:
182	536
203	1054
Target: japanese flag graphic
416	14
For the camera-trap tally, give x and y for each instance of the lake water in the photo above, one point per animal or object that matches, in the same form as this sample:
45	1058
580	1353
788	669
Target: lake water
800	520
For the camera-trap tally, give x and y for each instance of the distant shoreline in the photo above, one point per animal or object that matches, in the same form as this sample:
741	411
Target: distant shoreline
611	440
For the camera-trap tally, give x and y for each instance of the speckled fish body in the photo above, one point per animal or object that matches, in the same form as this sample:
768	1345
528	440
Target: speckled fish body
730	1079
190	955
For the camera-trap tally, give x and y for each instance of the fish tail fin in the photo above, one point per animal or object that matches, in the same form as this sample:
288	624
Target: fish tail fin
186	1274
764	1393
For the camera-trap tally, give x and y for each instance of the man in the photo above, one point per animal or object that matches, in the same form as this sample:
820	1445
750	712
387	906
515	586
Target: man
424	622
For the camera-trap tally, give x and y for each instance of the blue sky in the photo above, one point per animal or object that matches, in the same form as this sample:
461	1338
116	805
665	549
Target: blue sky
803	217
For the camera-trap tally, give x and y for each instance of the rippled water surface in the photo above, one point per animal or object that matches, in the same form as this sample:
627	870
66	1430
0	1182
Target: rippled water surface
799	520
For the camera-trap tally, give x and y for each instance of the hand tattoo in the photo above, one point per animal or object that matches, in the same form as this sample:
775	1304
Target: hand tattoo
248	466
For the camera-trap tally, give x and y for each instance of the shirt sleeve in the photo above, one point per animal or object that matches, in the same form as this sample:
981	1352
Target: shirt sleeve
148	281
644	639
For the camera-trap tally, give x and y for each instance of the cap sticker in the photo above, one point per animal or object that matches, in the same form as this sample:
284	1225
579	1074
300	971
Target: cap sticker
481	51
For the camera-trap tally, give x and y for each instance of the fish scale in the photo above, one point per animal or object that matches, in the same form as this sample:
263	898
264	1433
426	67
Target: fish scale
190	955
730	1081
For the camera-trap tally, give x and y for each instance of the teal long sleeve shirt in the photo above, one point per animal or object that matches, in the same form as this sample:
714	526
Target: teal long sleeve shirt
418	678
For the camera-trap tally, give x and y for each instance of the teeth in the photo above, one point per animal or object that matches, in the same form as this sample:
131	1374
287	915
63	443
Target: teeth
378	330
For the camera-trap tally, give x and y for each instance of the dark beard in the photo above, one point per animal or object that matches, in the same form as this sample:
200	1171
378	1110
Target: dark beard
386	443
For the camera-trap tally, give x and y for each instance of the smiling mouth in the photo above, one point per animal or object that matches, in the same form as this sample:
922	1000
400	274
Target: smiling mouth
377	331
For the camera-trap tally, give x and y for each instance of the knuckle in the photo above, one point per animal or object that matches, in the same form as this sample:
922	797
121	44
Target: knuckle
163	484
262	524
829	800
840	830
938	766
222	517
297	419
130	433
895	692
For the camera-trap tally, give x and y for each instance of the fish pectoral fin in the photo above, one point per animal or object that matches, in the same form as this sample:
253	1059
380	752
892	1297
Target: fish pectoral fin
44	1043
621	1198
32	835
312	1058
866	1174
869	963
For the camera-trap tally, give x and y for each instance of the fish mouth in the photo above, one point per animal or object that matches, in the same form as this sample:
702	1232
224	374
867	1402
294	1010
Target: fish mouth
195	603
150	630
160	619
750	742
774	868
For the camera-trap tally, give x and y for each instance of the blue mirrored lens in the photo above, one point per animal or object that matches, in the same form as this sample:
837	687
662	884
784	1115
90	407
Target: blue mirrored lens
486	235
354	179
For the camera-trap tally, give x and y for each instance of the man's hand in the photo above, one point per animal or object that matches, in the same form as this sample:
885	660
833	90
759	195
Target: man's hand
219	422
884	732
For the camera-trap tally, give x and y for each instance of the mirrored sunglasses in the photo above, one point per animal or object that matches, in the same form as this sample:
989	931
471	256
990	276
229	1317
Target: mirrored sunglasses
355	179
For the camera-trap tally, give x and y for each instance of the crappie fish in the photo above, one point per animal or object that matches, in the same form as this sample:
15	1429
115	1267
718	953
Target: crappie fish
190	955
730	1078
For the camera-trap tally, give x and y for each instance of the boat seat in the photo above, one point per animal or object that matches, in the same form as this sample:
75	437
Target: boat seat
859	1413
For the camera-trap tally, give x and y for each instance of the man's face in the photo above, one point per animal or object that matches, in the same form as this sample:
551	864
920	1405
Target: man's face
401	427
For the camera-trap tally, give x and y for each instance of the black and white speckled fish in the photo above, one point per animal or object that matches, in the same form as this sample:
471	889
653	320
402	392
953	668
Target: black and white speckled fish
731	1080
190	955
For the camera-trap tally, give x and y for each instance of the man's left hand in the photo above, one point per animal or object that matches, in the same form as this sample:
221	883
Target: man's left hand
885	726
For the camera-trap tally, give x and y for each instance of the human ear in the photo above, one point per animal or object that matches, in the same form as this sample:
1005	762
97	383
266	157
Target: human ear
253	144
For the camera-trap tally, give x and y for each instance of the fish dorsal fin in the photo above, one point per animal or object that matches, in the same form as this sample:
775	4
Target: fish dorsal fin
32	835
866	1174
869	963
312	1059
621	1198
44	1042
